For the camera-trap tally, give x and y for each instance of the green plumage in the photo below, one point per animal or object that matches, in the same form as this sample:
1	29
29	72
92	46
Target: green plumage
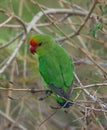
56	67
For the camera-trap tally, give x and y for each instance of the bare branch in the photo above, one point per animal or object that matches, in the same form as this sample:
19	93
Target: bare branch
83	24
11	41
90	57
103	105
78	61
21	22
12	121
87	17
93	85
8	20
13	54
23	89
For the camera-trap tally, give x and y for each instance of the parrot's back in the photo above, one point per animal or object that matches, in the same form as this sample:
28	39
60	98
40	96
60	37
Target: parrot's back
57	70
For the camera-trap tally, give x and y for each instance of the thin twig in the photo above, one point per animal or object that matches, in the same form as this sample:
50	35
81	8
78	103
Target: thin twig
54	23
78	61
83	24
90	108
12	26
104	106
8	20
18	117
23	89
11	41
12	121
8	103
47	118
92	85
21	22
87	17
90	57
82	86
13	54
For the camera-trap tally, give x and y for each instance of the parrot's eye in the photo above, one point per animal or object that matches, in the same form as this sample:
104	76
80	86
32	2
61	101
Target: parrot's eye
40	44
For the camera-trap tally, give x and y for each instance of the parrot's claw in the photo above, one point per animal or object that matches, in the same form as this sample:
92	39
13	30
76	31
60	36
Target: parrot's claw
48	92
53	107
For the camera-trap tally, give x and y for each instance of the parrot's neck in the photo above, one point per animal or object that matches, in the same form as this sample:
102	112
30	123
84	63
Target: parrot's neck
46	50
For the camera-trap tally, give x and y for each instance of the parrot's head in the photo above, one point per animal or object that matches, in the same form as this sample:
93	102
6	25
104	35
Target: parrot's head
41	44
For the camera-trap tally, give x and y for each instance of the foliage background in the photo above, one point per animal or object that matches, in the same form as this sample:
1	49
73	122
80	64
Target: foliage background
85	42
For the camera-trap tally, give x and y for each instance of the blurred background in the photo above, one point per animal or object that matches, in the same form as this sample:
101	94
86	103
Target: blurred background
78	26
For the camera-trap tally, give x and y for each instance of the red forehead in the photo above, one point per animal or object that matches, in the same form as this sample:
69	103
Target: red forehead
33	43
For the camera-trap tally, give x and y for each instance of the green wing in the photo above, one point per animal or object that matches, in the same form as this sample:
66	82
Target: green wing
57	70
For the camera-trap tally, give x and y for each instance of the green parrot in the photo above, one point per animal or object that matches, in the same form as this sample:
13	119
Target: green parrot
55	66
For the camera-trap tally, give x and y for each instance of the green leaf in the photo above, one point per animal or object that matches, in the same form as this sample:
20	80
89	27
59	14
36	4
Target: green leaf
97	27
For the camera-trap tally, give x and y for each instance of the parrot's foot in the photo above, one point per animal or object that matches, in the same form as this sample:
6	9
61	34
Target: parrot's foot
66	104
48	93
53	107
